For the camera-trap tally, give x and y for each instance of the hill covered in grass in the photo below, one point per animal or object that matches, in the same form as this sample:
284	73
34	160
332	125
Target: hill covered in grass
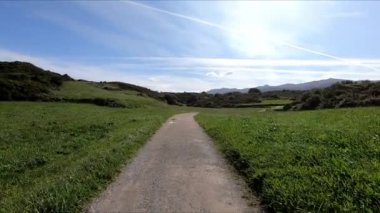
103	93
22	81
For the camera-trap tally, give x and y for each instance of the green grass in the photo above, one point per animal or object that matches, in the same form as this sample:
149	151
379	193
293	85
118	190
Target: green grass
276	101
265	103
55	156
78	90
318	161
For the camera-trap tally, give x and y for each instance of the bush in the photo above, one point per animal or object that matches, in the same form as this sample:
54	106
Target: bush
97	101
171	99
311	103
107	102
254	91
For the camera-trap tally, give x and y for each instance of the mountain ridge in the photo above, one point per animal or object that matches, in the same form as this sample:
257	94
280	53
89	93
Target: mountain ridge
319	84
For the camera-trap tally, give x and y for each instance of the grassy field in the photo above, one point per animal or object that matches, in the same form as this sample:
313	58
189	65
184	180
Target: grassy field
319	161
78	90
275	101
55	156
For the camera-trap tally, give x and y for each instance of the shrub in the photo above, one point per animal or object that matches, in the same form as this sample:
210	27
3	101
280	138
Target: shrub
171	99
311	102
254	91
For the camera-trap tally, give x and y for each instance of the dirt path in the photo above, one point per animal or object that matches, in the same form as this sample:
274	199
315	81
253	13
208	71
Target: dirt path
178	170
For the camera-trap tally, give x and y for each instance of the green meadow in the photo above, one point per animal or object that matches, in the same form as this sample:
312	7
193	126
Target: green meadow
57	156
79	90
54	157
318	161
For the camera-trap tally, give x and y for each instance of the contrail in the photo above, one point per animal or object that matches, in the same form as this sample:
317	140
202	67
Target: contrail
201	21
223	28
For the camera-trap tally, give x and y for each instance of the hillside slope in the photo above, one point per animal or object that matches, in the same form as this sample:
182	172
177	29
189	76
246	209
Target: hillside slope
89	92
22	81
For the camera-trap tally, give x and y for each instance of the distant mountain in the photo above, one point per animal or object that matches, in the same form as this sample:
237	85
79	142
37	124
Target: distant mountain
303	86
266	88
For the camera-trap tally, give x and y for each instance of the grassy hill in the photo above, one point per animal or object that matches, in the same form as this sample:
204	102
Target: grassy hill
83	92
24	81
21	81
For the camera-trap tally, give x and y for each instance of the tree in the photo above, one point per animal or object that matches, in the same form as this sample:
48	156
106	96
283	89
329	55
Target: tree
171	99
312	102
254	91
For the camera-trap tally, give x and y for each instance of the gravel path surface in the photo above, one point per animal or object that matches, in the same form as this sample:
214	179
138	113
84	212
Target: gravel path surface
178	170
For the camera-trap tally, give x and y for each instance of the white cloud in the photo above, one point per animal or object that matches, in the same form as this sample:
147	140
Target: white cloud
176	62
200	74
218	74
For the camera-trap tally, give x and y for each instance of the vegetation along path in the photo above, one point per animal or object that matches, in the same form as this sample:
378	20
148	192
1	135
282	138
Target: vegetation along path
179	170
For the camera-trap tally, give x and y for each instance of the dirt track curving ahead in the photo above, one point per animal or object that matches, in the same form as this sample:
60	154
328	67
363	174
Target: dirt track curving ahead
178	170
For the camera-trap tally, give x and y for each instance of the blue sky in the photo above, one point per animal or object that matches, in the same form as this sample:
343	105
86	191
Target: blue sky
195	45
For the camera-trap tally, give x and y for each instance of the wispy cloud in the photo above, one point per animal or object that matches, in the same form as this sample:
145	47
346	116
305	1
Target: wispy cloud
200	74
218	74
196	46
249	28
259	35
155	35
